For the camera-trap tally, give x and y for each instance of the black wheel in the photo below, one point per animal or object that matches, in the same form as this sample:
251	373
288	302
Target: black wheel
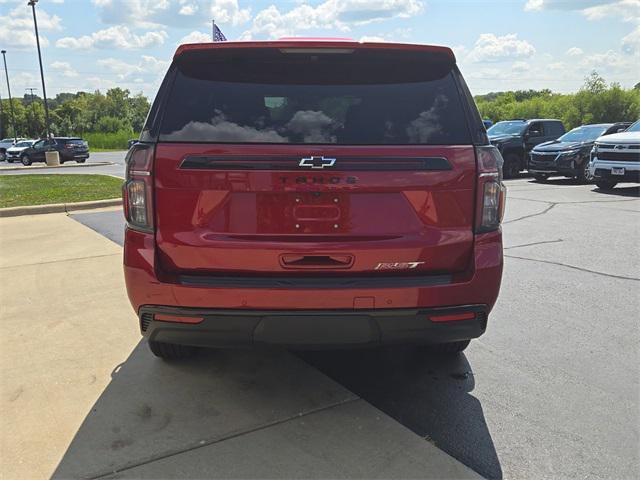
171	351
511	167
61	161
584	175
81	160
26	161
449	348
606	184
540	177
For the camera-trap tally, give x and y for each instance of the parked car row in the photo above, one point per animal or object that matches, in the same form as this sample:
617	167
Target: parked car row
29	151
569	155
545	149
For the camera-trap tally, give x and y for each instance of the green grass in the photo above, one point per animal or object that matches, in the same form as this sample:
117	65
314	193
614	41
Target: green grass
21	190
97	150
108	141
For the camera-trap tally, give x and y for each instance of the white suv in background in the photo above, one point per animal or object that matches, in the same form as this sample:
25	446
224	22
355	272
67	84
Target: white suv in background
6	143
616	158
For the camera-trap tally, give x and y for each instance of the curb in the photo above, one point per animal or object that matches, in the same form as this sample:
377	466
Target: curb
66	165
58	207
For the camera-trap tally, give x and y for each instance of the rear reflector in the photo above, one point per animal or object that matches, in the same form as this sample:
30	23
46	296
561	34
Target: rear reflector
177	318
452	317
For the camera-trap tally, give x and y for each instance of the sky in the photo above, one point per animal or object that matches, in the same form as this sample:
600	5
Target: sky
500	45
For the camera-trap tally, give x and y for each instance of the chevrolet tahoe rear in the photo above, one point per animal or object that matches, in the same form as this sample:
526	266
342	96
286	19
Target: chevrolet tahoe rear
310	194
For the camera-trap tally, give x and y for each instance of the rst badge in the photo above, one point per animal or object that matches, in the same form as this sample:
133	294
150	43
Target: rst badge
398	265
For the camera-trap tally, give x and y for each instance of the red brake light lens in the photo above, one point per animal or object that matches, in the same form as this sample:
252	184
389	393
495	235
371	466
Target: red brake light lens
491	190
137	190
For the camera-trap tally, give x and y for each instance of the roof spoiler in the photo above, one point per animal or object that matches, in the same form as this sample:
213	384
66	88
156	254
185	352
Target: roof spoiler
314	44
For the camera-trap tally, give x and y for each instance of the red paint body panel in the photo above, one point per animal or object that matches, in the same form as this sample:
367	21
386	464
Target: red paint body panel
479	285
243	221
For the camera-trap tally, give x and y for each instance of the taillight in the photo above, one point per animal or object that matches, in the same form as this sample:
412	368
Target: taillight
137	191
491	190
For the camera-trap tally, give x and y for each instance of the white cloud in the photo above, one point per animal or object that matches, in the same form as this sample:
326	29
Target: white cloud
534	5
608	61
372	38
21	34
196	37
20	40
330	14
520	67
627	10
147	65
492	48
631	42
171	13
114	37
574	52
64	68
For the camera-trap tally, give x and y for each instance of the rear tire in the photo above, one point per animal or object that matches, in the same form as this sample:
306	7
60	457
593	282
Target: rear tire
81	160
606	184
171	351
451	348
511	167
584	175
540	178
26	161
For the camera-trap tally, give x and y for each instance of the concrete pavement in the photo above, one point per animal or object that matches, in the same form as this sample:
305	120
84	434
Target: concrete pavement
83	397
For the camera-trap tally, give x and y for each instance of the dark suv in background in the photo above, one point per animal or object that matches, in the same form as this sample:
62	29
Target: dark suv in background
69	148
516	138
569	155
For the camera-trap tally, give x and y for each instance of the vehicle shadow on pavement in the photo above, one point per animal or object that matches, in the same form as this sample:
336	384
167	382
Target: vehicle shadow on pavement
152	410
633	192
558	181
261	413
429	394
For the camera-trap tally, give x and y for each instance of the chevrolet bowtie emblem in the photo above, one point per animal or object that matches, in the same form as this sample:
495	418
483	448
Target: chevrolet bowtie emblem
317	162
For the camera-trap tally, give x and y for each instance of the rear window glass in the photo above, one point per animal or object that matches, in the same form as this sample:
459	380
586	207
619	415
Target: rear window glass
73	142
354	98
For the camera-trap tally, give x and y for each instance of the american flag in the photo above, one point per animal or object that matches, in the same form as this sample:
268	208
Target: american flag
218	36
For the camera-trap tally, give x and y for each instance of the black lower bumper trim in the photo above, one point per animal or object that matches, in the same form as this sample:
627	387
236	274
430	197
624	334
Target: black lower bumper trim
311	328
323	282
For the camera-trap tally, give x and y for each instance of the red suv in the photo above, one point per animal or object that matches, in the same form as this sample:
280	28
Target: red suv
312	193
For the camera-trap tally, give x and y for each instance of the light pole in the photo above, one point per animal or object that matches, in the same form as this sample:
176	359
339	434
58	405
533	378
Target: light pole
13	117
33	106
32	4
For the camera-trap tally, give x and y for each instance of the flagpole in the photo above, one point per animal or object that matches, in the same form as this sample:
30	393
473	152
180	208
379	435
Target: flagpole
213	30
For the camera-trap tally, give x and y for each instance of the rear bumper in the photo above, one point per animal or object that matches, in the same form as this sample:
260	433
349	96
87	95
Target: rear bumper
310	328
347	312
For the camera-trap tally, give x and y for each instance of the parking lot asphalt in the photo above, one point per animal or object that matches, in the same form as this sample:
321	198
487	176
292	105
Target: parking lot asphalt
551	390
116	169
